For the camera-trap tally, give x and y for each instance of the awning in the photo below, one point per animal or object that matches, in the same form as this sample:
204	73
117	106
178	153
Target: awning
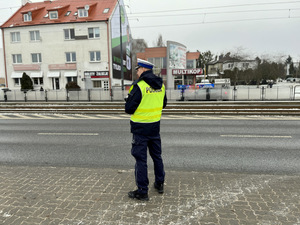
70	74
16	75
53	74
36	74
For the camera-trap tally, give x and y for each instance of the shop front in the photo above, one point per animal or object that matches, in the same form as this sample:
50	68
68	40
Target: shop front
185	77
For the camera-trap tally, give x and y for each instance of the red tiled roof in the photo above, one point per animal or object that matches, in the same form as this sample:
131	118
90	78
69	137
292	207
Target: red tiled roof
40	9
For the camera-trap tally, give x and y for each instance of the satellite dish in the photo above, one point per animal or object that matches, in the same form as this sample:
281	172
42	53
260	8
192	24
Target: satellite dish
86	7
29	13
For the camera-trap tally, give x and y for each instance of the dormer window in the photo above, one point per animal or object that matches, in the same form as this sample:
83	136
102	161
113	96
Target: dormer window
83	13
53	15
27	17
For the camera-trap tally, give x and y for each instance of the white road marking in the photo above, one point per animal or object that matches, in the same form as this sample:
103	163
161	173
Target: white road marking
81	116
125	116
254	136
70	134
24	116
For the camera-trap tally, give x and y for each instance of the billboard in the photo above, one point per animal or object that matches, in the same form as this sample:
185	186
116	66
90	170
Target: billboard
177	55
126	44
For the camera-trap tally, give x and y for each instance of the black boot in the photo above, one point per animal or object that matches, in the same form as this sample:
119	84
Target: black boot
137	195
159	188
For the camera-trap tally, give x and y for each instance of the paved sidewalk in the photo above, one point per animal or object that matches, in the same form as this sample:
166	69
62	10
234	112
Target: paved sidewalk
81	196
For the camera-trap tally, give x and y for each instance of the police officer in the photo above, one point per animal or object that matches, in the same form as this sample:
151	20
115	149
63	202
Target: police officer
145	102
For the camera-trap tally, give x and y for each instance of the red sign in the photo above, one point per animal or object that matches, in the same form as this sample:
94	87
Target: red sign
96	74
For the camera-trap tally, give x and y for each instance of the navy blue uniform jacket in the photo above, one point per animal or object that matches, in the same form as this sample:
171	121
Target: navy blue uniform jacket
134	99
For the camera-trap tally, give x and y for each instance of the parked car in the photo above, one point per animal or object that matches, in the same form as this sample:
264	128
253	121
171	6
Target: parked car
213	94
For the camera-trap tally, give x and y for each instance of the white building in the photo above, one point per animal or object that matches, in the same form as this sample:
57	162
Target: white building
240	65
222	63
2	71
56	42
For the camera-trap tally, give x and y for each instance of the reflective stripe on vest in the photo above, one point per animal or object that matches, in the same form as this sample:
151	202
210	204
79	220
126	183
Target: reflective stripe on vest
151	105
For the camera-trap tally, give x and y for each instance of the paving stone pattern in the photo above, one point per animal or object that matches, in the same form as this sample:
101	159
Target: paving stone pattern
84	196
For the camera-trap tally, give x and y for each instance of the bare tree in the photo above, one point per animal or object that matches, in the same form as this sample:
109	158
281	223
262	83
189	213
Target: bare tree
159	42
240	53
138	45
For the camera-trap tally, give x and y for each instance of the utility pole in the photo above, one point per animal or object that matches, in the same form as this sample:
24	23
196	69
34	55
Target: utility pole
121	47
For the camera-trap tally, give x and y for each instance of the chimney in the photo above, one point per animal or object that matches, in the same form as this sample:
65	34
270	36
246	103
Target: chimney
24	2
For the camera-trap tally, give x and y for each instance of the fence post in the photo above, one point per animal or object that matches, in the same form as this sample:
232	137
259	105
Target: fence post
46	97
234	93
89	95
248	93
5	94
25	97
111	95
207	94
67	95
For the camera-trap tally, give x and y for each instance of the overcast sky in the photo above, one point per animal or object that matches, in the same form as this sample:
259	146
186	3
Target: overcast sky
258	27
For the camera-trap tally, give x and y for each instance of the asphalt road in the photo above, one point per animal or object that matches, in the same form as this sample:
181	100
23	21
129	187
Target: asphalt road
251	145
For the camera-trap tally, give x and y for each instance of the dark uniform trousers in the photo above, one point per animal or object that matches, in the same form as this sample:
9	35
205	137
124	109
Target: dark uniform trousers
139	152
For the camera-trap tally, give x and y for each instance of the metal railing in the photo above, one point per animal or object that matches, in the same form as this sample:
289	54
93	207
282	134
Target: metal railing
239	93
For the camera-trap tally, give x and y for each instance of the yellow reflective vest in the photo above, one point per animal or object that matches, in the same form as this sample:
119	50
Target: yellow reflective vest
150	108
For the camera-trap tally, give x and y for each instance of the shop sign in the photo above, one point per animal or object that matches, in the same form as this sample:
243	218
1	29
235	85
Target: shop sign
96	74
177	72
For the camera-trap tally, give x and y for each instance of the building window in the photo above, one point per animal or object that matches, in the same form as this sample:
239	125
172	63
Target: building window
53	15
70	57
97	84
17	58
94	32
71	79
38	81
17	81
36	57
95	56
83	13
69	34
190	64
101	84
27	17
106	10
105	85
15	36
245	65
34	35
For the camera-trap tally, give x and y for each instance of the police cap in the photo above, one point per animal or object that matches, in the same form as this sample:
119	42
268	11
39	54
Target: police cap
144	63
